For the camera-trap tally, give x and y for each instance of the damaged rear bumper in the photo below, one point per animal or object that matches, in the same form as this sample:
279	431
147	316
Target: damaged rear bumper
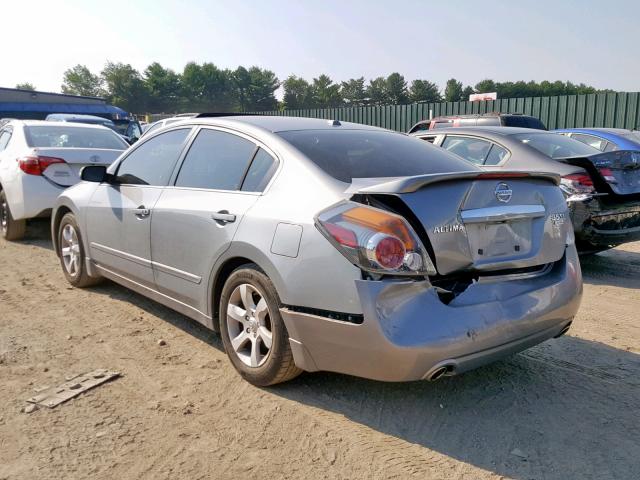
600	226
408	332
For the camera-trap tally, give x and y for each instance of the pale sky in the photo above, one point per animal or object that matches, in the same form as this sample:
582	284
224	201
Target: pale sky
588	41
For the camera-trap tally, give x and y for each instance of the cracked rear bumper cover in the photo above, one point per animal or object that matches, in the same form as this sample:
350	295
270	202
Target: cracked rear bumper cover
611	226
407	331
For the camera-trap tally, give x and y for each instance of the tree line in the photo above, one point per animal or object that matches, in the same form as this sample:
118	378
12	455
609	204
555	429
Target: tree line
205	87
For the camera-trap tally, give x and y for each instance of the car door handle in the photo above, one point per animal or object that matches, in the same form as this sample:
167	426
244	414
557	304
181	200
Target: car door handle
141	212
223	217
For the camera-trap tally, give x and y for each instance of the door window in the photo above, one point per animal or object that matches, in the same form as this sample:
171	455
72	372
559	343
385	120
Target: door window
153	161
216	160
262	169
474	150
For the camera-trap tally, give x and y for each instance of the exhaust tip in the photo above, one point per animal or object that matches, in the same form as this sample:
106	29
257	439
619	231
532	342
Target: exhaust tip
564	330
439	372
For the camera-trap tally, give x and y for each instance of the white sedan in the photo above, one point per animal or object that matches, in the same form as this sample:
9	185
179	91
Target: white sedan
39	159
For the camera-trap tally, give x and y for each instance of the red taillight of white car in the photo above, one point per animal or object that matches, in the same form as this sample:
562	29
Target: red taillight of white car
37	164
375	240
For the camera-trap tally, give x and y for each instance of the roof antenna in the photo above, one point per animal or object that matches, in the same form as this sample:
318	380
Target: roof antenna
334	123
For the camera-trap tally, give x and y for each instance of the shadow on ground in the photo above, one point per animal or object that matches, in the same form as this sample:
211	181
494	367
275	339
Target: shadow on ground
569	408
614	267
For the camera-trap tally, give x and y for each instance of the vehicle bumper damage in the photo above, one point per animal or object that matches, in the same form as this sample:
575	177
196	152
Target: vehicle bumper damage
596	224
409	333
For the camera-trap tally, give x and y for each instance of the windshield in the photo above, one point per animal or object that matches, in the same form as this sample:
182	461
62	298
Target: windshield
556	146
349	154
73	137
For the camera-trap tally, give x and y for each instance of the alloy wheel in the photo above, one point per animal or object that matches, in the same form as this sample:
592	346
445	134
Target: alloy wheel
249	325
70	250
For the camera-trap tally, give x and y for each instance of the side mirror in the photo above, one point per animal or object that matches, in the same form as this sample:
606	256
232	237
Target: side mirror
94	173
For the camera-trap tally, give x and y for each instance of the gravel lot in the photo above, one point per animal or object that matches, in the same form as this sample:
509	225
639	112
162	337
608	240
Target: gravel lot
569	408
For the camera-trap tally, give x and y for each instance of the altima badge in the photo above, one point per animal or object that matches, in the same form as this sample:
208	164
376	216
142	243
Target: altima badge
503	192
451	228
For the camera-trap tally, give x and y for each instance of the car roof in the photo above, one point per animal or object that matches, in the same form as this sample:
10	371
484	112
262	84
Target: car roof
78	115
614	131
49	123
279	124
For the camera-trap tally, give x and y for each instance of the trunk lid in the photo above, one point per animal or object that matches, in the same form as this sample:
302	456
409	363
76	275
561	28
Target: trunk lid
68	173
486	221
616	173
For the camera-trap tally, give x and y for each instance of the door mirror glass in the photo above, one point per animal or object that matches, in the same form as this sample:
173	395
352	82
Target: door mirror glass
94	173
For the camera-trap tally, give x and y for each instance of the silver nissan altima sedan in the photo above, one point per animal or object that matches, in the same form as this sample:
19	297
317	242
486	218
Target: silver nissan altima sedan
324	245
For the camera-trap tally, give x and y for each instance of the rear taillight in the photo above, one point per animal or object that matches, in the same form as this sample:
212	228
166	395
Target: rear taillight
37	164
375	240
607	174
577	183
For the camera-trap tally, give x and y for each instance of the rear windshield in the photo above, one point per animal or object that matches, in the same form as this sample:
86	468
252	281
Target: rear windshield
73	137
523	122
633	136
349	154
556	146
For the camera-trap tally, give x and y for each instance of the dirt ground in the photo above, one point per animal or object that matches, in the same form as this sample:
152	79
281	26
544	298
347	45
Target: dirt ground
567	409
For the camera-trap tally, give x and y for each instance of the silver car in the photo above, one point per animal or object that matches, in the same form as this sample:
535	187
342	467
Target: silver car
320	245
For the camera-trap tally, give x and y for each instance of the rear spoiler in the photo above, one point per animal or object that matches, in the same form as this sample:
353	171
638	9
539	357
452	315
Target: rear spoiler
412	184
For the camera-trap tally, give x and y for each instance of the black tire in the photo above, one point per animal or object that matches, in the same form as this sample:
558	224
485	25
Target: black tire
278	365
77	277
9	228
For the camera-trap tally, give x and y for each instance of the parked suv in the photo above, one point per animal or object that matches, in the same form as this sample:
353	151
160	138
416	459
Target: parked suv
480	120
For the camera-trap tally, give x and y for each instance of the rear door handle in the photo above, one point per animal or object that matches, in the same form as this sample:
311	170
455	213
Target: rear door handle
141	212
223	217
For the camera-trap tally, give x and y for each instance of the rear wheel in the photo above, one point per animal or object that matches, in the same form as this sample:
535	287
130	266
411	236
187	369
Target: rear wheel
71	253
253	332
11	229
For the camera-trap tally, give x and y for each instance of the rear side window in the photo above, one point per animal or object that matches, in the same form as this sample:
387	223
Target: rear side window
5	136
496	155
610	147
153	161
73	137
262	169
595	142
216	160
474	150
349	154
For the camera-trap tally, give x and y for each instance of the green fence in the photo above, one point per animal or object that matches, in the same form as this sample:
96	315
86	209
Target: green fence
612	110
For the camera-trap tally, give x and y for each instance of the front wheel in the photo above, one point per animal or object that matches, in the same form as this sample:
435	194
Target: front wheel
253	332
9	228
71	253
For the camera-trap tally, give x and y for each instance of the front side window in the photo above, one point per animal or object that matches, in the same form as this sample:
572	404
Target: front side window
590	140
556	146
73	137
153	161
216	160
474	150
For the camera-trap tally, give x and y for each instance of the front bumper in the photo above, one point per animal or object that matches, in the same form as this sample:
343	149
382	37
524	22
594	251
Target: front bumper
599	225
408	332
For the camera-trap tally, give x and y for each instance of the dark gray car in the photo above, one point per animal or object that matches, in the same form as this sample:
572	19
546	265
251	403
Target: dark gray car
602	189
